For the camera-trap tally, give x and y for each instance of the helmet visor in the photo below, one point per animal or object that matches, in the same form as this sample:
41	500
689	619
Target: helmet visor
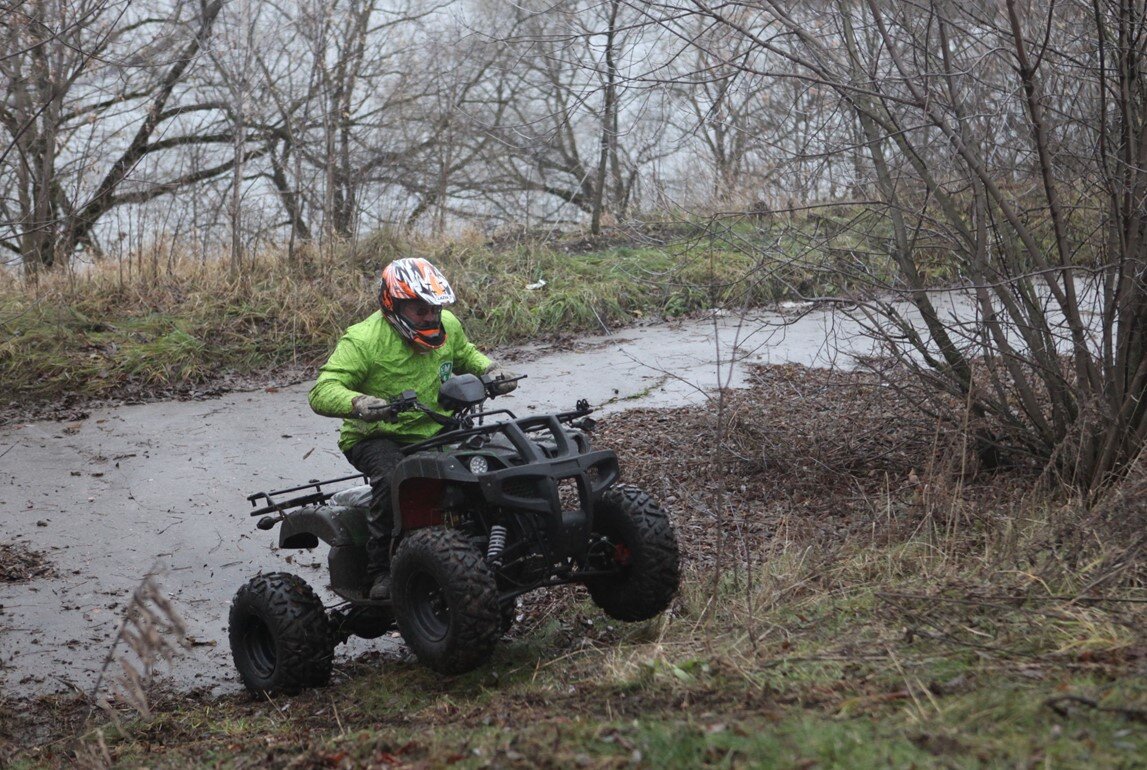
420	314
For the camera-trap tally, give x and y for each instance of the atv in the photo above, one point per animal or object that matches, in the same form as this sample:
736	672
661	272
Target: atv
490	508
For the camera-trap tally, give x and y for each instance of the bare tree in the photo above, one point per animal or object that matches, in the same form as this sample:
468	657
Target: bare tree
352	109
1006	148
759	137
97	103
577	124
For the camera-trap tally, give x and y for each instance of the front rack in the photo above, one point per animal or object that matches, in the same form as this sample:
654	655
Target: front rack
513	426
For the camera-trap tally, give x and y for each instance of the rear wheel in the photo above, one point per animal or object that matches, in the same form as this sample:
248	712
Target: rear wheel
445	600
279	633
638	540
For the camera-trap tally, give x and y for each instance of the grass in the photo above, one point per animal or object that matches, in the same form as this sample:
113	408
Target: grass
839	656
814	672
184	322
99	336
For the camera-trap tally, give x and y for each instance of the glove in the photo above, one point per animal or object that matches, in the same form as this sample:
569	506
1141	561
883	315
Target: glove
503	380
373	409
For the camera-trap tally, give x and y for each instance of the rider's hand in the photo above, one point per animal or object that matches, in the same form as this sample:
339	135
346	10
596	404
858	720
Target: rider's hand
503	380
373	409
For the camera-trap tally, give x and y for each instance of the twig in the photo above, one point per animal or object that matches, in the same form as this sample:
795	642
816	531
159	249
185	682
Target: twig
275	706
1057	705
775	662
144	631
601	322
1016	599
940	635
338	720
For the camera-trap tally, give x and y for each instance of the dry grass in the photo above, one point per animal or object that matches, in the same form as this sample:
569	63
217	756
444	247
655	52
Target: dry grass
836	528
152	631
177	323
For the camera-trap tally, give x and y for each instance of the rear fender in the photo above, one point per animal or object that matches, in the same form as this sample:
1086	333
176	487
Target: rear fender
344	529
336	525
533	487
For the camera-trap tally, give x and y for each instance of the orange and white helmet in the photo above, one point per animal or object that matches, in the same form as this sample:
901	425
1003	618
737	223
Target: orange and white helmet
414	278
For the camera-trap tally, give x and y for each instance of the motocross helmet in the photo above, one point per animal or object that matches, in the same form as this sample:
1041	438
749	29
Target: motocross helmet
414	278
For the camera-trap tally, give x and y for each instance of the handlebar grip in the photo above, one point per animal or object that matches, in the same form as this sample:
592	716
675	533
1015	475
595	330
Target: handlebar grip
405	402
496	386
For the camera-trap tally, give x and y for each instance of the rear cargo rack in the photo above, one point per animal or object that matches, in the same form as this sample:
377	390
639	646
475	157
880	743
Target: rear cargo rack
319	495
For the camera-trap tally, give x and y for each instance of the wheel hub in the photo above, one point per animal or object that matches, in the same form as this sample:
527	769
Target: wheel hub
431	609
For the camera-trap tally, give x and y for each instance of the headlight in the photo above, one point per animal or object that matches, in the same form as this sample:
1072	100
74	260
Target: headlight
478	464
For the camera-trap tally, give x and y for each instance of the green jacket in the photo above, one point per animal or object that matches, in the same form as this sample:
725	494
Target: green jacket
372	358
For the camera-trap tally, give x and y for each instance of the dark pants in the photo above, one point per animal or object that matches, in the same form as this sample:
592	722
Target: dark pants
377	458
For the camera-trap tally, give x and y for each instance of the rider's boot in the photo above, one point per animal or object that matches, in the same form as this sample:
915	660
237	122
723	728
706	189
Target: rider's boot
380	570
380	591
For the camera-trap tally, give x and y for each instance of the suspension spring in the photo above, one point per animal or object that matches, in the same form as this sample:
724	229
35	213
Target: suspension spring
497	544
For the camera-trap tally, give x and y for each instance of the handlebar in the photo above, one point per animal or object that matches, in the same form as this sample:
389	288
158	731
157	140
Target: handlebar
461	429
490	381
491	387
463	395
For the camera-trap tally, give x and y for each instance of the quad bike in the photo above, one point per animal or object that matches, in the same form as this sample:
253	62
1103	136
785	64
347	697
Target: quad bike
492	507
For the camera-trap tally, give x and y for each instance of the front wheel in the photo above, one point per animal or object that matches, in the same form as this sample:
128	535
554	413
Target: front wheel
445	600
637	540
280	637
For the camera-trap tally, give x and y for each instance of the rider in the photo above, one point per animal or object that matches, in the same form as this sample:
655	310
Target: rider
410	343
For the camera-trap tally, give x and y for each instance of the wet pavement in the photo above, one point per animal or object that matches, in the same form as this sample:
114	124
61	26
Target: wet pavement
163	487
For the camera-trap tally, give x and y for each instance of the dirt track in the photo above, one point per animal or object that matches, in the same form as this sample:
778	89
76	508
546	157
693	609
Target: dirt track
110	496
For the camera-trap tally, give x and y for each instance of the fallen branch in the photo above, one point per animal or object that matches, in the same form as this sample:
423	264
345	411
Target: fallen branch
1058	704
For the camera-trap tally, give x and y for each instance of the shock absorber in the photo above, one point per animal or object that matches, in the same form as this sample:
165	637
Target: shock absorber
497	543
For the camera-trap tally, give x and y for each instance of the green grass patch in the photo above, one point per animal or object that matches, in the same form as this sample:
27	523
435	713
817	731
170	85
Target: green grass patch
102	331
